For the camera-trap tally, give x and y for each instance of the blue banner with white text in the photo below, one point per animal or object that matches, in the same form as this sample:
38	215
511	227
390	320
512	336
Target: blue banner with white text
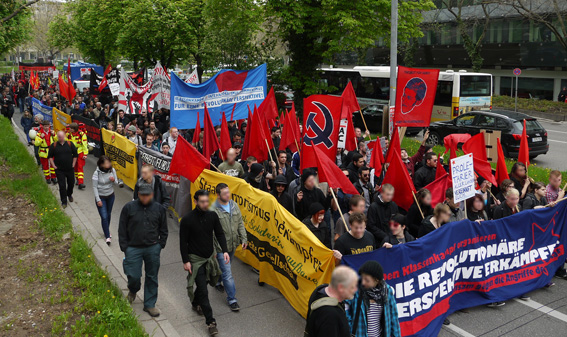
40	109
221	92
465	264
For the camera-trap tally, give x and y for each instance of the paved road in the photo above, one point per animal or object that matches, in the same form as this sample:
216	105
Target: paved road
266	313
556	158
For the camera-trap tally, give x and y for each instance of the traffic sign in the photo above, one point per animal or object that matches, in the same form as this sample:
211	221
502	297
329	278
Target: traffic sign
517	71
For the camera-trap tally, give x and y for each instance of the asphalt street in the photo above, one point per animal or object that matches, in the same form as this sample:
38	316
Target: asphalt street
265	312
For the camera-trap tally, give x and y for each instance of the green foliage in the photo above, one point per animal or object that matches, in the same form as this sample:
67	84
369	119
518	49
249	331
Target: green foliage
542	105
103	309
16	30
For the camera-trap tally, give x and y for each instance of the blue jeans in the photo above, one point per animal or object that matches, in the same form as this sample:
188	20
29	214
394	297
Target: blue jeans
133	258
105	212
227	279
21	103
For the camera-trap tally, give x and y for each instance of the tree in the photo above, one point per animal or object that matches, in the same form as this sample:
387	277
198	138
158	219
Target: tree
92	27
314	31
551	13
15	22
471	27
43	14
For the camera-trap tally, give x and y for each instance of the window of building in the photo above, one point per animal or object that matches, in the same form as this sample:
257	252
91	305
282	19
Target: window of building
516	33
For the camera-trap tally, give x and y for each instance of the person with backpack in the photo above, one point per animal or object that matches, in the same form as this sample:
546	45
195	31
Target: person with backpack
326	315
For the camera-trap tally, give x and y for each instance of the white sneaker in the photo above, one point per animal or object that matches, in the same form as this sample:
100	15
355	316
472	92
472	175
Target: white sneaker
108	241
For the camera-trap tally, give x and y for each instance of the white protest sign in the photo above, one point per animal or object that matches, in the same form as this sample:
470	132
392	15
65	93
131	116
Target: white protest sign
193	77
462	173
341	142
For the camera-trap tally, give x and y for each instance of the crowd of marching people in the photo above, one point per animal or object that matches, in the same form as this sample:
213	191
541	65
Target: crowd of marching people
353	304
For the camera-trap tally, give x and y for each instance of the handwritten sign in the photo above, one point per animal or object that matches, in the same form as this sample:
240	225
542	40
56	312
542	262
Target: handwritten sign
462	173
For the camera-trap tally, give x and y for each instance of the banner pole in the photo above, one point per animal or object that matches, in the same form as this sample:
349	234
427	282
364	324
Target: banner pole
417	203
297	145
342	216
365	126
269	152
213	165
556	201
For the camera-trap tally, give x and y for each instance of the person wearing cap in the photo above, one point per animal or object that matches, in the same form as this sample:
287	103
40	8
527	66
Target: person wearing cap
357	240
142	234
256	177
281	194
79	138
309	194
43	140
398	233
238	149
230	166
373	311
131	134
317	225
62	158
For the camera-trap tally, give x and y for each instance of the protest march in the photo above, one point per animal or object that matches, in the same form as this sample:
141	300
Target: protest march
359	235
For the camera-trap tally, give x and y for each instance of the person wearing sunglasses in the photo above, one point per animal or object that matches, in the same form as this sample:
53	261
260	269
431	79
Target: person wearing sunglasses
398	233
364	187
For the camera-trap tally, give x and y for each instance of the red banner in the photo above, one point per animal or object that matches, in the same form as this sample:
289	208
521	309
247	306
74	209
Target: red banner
415	95
321	119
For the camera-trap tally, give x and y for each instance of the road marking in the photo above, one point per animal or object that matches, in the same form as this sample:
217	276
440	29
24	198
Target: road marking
458	330
545	309
555	131
556	141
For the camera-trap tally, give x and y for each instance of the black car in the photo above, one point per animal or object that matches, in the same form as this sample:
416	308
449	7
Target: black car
373	115
510	123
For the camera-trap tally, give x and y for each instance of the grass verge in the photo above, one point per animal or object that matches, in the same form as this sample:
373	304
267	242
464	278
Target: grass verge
102	308
542	105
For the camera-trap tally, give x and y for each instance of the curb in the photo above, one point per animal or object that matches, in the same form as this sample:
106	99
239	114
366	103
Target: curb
107	260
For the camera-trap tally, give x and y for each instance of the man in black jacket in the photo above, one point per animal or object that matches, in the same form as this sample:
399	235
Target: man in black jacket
142	234
326	315
281	194
160	192
426	174
196	232
309	194
380	213
353	167
364	186
283	168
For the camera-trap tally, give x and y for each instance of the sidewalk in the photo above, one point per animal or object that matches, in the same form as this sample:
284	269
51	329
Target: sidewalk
264	311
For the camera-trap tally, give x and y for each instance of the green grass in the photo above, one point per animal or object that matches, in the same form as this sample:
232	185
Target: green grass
101	307
507	102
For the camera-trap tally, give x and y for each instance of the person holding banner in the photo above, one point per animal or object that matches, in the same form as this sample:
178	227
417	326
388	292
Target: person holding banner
381	211
441	216
280	193
356	203
510	206
357	240
398	233
373	310
536	199
79	138
309	194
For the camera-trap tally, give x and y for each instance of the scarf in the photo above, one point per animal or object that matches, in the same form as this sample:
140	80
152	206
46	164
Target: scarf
377	294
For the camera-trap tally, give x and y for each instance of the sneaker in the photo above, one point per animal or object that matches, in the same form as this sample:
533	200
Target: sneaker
48	181
54	181
561	274
550	284
82	186
64	205
197	309
154	312
234	306
70	198
524	297
108	241
131	297
446	321
213	331
495	304
220	288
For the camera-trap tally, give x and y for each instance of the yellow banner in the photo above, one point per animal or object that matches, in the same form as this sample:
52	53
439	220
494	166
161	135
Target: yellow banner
60	120
288	256
122	153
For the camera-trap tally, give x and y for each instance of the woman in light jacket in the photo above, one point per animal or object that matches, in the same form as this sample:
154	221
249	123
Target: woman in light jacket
104	179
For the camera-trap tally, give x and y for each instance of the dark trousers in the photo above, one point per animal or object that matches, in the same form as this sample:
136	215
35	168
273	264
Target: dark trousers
202	295
133	258
66	181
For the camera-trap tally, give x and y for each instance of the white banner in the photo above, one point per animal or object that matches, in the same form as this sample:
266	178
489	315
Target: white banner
161	86
341	141
193	77
133	98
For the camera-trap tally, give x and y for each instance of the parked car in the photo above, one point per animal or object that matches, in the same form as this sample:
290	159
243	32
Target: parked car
510	123
372	116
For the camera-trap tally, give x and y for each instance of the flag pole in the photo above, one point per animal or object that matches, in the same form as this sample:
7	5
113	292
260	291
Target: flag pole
269	152
365	126
213	165
337	202
555	202
417	203
298	151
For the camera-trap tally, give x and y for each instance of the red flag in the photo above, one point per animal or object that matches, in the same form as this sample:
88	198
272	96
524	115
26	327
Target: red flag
377	157
104	81
452	141
477	147
187	161
350	105
293	119
397	175
257	142
210	140
501	169
197	132
524	154
269	107
225	143
440	170
288	139
63	88
330	173
394	146
246	146
438	187
266	129
321	119
415	96
232	113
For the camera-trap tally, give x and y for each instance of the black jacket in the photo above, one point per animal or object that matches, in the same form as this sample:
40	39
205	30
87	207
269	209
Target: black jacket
426	227
423	177
391	238
379	215
310	197
160	192
323	232
196	231
414	218
326	321
530	201
285	200
142	226
352	172
360	190
502	211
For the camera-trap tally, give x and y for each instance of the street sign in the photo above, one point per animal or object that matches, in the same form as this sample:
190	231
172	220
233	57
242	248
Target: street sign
517	71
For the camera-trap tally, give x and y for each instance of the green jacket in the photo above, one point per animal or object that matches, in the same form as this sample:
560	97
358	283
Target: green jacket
232	225
212	271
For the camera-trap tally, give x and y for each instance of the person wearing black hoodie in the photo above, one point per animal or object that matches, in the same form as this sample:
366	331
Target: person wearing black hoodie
309	194
317	225
256	177
281	194
414	216
398	233
352	168
426	174
380	212
441	215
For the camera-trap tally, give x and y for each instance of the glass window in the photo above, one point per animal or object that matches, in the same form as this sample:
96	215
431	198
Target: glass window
501	123
444	94
475	85
465	120
485	121
531	125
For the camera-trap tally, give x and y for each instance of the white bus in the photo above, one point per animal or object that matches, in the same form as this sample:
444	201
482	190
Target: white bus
457	91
